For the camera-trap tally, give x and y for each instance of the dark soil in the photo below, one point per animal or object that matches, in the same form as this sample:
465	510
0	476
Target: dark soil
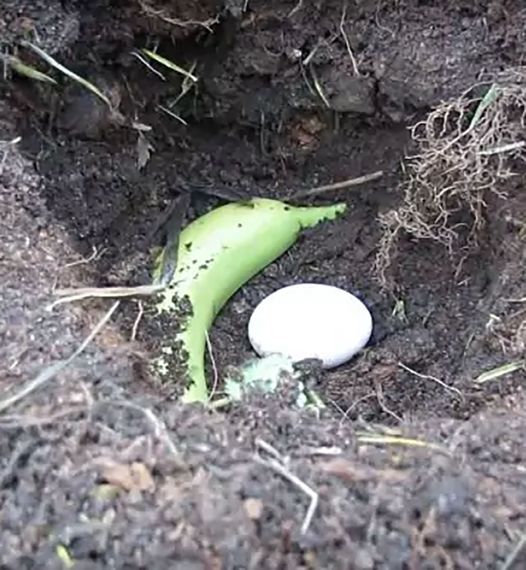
99	466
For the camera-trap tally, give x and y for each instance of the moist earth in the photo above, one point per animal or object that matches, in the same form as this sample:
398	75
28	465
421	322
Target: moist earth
414	465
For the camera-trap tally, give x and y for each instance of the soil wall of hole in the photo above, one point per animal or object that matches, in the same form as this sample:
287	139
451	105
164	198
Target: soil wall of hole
264	122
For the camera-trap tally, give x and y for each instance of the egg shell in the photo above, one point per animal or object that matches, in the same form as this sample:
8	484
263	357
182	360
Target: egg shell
311	320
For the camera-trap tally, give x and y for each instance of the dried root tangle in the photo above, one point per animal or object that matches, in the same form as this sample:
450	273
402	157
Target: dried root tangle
465	151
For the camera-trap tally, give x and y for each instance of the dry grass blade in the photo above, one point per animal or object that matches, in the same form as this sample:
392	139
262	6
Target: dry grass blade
54	63
51	371
380	439
319	89
500	371
70	295
145	62
12	142
27	70
172	114
169	64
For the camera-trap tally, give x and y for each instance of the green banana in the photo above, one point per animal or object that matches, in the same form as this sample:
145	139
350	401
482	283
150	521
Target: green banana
217	254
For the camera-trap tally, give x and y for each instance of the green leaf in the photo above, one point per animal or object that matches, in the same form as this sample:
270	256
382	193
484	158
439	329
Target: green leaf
500	371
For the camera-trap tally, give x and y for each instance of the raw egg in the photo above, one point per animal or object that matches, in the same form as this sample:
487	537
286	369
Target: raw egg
311	320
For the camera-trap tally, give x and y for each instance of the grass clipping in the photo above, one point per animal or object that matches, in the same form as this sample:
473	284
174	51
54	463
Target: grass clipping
466	150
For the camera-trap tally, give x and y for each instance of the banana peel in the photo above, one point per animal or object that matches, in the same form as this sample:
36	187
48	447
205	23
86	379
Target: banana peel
216	255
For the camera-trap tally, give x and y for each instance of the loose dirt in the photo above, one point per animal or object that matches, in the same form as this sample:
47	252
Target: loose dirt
413	463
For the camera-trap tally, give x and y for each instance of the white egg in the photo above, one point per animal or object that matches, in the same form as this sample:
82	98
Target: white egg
310	320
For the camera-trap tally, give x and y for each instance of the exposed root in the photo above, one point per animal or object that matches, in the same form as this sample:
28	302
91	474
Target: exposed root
347	42
447	387
466	150
162	15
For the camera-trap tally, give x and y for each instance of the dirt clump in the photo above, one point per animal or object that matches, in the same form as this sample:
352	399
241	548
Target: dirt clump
216	499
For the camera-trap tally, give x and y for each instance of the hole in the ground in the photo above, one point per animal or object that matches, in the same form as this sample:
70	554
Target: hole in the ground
253	127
